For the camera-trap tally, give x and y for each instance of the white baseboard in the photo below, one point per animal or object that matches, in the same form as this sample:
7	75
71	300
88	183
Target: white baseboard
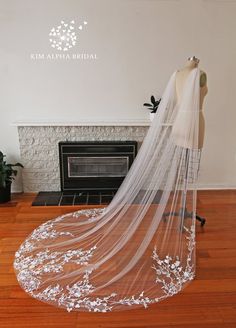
215	186
16	190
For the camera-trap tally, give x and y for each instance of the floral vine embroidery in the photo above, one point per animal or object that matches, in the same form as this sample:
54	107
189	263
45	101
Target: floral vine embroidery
139	300
91	214
76	296
31	268
169	273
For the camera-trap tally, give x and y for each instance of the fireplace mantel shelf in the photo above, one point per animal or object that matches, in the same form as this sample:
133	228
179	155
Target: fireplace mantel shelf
132	122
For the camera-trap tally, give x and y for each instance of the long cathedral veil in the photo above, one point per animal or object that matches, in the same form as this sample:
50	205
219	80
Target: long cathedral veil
138	250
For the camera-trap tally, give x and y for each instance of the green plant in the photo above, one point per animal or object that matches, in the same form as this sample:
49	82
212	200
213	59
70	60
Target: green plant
7	171
153	105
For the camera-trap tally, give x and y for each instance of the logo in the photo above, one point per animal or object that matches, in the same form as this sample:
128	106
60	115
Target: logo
64	36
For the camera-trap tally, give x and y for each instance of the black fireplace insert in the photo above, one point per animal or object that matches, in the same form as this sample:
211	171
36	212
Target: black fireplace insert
94	166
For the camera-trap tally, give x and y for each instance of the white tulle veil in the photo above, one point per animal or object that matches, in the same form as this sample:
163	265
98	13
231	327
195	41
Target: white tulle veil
138	250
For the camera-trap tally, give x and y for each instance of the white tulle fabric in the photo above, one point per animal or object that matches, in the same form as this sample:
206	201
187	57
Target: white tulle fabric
138	250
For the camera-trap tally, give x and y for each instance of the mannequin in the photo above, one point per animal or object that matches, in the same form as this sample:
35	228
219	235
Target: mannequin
178	126
182	120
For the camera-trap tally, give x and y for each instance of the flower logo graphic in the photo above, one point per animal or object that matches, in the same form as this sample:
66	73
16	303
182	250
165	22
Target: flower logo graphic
64	36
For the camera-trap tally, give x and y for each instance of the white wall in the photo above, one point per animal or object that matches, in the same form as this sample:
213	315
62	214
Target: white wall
139	43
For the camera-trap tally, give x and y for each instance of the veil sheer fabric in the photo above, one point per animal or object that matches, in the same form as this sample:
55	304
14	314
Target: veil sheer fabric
138	250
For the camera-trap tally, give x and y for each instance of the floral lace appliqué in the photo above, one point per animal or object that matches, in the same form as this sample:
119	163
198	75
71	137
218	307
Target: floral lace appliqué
170	273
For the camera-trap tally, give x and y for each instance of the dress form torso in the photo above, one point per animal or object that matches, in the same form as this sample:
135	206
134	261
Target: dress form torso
181	76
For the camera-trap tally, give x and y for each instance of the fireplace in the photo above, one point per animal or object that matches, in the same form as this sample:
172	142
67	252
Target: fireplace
95	166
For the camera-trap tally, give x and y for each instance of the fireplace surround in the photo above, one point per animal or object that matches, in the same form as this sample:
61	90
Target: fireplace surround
40	152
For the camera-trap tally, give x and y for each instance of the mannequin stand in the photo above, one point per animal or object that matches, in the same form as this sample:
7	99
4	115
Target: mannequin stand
183	213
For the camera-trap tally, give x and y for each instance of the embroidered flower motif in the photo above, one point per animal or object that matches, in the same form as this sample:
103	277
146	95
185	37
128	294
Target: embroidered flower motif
90	213
139	300
50	293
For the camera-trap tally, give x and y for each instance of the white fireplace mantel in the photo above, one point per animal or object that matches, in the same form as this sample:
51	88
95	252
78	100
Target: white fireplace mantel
133	122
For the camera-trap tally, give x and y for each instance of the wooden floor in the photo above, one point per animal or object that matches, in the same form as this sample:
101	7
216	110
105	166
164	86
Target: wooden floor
208	302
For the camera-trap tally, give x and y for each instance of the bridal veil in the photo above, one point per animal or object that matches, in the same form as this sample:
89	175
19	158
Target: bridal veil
138	250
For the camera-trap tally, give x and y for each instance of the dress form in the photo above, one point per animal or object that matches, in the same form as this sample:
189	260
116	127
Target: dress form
192	153
178	127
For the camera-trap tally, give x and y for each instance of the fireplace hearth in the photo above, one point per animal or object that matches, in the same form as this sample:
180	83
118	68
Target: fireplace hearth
57	198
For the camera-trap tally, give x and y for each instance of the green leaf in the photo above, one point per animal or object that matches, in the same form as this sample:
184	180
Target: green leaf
17	164
153	100
7	172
